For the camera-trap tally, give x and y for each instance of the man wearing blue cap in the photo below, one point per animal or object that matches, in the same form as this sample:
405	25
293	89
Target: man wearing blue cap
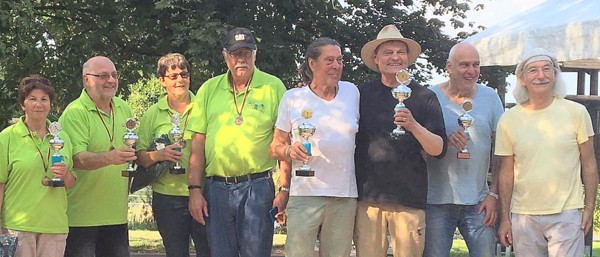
233	125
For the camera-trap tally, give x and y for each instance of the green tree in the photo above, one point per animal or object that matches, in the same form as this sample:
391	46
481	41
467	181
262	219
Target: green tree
143	93
54	38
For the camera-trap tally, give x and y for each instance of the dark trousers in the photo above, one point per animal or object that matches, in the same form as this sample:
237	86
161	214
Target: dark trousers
177	226
98	241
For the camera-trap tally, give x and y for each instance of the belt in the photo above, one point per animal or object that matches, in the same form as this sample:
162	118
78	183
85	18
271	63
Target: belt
242	178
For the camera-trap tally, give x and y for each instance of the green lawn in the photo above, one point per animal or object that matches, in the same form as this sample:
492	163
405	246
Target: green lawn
150	241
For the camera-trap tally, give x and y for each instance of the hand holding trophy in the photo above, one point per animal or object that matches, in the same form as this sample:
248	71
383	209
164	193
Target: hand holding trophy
130	139
57	144
176	135
401	92
306	130
465	121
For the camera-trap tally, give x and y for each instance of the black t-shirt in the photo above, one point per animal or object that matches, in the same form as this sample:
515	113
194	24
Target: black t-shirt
388	170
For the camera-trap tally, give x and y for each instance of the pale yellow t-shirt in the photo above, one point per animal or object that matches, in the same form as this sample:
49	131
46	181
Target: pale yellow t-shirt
545	144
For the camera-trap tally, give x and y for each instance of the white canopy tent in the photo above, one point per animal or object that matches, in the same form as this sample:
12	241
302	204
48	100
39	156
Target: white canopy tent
569	28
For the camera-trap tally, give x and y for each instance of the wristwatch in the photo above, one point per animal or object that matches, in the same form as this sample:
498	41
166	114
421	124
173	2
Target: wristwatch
190	187
492	194
285	189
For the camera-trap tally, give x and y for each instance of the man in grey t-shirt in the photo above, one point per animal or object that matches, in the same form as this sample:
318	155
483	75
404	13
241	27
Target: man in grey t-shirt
458	194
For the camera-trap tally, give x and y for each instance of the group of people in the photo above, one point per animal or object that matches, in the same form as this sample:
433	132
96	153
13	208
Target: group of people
343	177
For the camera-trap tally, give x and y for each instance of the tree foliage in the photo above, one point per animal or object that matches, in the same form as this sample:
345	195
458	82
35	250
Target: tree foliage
54	38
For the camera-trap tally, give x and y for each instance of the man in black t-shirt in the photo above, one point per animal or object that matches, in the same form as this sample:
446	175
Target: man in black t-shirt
392	173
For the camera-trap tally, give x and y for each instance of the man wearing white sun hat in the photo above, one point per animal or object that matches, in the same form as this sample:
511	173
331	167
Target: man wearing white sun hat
391	173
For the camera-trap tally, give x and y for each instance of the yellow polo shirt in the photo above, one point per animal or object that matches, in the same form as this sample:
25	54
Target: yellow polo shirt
100	196
233	150
157	122
29	205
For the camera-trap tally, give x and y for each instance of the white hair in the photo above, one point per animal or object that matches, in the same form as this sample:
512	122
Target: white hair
538	54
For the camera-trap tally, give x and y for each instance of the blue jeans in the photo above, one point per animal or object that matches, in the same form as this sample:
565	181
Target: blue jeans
176	226
239	224
443	219
99	241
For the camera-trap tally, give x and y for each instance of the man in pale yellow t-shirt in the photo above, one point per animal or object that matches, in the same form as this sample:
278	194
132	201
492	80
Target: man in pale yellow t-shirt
546	151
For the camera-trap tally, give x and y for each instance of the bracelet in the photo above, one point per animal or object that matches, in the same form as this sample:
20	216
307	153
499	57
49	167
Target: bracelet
190	187
492	194
287	151
285	189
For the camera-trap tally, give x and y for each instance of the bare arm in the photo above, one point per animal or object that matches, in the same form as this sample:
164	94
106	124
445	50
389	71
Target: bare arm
2	186
505	184
589	177
197	204
279	147
169	153
489	202
90	160
432	144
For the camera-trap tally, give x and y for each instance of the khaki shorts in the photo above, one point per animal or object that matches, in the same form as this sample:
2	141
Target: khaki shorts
406	226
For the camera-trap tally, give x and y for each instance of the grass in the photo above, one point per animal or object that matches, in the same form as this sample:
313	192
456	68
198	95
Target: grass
145	241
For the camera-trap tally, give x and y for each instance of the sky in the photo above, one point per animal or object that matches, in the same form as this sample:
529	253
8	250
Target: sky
494	12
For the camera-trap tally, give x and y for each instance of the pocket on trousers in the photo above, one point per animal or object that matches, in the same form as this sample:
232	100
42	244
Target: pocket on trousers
418	244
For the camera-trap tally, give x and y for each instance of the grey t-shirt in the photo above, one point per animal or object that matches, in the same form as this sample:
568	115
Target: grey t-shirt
464	181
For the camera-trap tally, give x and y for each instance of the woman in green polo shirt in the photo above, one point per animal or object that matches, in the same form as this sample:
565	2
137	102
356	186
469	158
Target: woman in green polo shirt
34	206
169	118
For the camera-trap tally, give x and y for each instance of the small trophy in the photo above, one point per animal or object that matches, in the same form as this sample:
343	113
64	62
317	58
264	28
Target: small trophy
177	137
465	121
401	92
130	139
306	130
57	144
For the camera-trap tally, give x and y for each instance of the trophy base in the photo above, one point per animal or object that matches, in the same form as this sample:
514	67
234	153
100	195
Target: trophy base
305	173
55	182
128	173
177	171
397	136
463	155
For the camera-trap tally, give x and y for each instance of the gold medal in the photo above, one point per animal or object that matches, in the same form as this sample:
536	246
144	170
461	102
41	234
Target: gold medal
467	105
403	77
239	120
46	181
307	113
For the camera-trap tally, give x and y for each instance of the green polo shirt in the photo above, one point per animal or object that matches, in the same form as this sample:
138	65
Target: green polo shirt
156	122
29	205
233	150
100	196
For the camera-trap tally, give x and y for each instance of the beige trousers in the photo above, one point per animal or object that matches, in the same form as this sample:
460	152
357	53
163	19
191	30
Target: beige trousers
40	244
335	216
406	226
555	235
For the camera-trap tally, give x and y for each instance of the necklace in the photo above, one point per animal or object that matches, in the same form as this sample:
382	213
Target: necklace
239	120
45	161
334	94
112	115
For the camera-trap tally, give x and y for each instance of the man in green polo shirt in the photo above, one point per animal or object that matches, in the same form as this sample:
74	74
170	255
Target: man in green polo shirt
233	127
95	122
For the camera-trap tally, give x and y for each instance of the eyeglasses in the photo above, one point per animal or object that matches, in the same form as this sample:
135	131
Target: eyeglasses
240	54
173	76
34	80
546	70
104	76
